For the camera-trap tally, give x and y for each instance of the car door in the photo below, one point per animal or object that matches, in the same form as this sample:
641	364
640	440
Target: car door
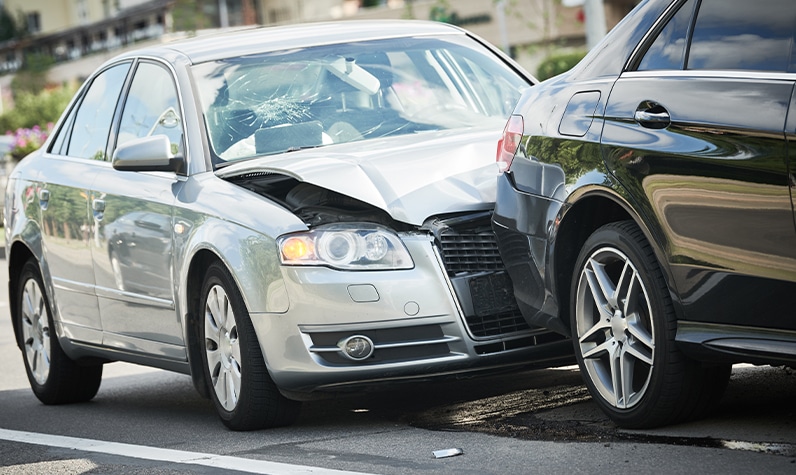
132	212
696	132
67	230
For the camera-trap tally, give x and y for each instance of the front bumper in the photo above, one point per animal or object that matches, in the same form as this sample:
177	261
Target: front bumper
416	318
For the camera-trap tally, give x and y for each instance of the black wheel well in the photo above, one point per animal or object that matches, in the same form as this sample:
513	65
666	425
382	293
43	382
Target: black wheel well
579	222
196	274
19	254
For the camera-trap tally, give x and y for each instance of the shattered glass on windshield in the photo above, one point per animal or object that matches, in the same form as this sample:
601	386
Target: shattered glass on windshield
289	100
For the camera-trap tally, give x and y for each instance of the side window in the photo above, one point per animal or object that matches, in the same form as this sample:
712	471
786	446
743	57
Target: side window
151	107
741	34
84	133
668	49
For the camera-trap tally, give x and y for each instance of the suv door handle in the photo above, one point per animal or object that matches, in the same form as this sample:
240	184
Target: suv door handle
652	115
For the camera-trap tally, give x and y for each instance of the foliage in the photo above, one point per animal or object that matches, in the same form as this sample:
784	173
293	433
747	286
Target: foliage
8	27
441	11
409	12
190	15
32	109
28	140
557	64
33	75
537	16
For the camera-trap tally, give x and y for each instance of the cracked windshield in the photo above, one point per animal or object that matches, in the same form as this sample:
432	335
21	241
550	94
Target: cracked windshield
304	98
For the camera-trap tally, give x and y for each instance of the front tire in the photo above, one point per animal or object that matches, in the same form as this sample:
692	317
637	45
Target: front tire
243	393
54	377
623	329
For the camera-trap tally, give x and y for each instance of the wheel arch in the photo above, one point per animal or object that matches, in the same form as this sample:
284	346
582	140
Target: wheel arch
590	210
19	254
193	285
251	259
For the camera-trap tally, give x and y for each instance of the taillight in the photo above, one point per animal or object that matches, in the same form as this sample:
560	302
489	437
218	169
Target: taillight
509	142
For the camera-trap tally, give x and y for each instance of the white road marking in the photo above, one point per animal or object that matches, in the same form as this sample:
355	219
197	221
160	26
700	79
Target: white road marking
166	455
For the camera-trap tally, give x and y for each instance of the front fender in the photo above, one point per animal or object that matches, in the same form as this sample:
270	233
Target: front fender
239	228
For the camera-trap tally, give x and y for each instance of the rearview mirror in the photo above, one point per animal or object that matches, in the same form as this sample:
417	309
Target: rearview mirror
347	70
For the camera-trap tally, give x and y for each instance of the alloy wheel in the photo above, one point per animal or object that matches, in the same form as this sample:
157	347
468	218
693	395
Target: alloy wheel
222	347
614	331
36	331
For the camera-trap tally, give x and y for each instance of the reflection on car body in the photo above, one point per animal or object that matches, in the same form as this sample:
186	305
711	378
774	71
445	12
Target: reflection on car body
276	212
647	210
137	242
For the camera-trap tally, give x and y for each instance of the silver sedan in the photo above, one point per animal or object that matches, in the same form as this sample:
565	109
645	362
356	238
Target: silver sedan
277	212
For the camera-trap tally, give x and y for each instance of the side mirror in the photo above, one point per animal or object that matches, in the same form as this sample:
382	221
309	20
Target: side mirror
147	154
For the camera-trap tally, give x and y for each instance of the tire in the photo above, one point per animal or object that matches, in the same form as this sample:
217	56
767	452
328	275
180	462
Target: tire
54	377
243	393
623	329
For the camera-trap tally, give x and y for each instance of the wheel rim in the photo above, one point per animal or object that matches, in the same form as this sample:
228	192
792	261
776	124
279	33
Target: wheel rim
35	331
613	318
222	347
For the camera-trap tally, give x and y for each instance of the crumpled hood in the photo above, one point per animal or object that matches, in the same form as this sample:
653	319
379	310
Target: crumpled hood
411	177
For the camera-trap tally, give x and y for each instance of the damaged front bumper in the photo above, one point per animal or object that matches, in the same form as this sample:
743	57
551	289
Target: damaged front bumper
453	312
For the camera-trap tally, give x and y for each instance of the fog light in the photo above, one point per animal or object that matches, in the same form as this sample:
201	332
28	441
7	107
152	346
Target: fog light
357	347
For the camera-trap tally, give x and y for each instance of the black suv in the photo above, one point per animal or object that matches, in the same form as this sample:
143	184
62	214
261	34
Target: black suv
646	208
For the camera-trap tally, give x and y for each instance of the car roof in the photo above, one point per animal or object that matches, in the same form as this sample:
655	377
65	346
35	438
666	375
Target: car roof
264	39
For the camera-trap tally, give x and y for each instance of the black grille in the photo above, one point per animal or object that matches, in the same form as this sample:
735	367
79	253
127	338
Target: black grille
495	324
470	252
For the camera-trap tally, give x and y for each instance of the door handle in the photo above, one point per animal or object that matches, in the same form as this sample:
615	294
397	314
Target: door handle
652	115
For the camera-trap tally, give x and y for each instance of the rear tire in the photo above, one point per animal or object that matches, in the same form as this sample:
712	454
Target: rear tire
243	393
54	377
623	329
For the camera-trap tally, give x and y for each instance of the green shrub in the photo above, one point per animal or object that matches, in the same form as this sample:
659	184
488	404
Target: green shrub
32	109
557	64
33	75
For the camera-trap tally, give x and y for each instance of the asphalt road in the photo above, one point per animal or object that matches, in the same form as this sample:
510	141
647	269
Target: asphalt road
146	421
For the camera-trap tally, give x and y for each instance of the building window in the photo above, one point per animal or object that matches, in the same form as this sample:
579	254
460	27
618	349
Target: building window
82	12
33	20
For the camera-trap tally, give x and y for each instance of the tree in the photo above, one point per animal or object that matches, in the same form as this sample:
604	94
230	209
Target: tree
32	77
190	15
8	27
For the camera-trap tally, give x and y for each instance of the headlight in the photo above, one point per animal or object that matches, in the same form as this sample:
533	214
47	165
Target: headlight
350	246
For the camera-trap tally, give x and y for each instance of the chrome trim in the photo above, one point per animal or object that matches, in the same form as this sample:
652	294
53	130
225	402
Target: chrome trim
138	299
653	31
376	346
710	73
72	286
137	59
363	326
459	311
446	339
